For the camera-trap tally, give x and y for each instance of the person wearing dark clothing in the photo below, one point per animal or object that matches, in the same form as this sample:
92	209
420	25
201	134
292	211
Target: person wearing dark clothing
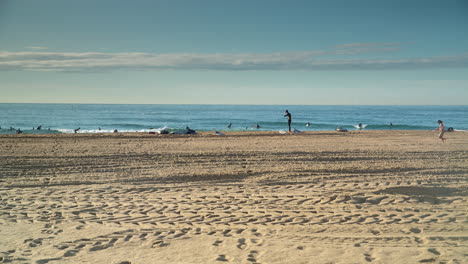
287	114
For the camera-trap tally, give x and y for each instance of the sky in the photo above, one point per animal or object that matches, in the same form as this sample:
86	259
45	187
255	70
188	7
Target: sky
363	52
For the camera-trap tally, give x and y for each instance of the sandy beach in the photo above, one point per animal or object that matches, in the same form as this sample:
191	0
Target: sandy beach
259	197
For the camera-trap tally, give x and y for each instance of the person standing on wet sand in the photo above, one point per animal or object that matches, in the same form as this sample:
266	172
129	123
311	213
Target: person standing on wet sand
441	130
287	114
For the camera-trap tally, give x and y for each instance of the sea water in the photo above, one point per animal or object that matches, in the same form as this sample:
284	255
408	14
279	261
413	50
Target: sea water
102	118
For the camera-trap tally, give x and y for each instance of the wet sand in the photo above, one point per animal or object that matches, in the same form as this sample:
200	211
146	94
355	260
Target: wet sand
316	197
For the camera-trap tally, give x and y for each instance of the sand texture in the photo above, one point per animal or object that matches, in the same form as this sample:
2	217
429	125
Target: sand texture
317	197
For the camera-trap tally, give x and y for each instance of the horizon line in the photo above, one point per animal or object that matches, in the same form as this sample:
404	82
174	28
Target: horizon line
233	104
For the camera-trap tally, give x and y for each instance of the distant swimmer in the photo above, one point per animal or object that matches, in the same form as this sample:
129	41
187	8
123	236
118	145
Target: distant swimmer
288	115
76	130
99	128
257	126
360	125
229	126
18	131
308	124
116	131
39	127
441	130
391	124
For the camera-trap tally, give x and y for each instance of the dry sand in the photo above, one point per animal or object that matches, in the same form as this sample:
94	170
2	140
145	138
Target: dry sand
321	197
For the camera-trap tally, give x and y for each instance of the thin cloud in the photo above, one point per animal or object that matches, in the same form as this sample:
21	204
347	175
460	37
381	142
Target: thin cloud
367	44
279	61
37	48
358	48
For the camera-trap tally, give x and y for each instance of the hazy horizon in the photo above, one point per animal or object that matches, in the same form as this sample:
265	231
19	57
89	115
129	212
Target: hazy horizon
215	104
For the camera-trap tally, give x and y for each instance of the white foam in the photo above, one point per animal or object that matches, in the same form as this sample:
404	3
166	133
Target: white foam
96	131
362	126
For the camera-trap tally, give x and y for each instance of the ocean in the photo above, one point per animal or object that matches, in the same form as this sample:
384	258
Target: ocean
104	118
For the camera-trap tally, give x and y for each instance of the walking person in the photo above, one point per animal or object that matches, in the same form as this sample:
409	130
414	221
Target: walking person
287	114
441	130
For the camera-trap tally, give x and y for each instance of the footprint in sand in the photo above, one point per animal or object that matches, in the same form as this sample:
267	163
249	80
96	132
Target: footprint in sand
217	243
434	251
252	257
429	260
70	253
368	258
241	244
160	243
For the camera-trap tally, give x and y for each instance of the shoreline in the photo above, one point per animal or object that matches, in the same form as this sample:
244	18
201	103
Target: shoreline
226	133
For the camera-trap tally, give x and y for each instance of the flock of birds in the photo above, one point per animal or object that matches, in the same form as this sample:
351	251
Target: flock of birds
188	130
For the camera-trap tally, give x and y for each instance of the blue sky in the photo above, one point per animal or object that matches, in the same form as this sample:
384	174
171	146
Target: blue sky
234	52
